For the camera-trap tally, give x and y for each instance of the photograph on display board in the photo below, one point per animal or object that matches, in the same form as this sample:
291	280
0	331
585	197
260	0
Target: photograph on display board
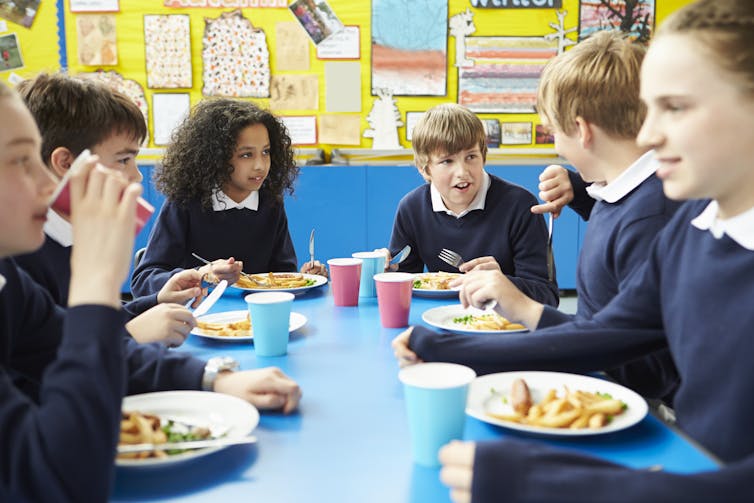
96	39
20	12
235	57
167	45
11	54
410	47
636	19
505	75
515	133
317	18
492	130
543	136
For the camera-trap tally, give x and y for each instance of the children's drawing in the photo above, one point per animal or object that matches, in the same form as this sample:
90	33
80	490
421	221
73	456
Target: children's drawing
167	43
492	131
384	120
409	47
505	75
561	32
461	25
516	133
236	58
20	12
633	17
96	39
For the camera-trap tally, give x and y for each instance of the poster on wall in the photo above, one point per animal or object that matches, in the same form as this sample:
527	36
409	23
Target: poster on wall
505	75
515	133
167	46
635	19
346	44
235	57
94	6
409	47
10	53
168	111
20	12
96	40
317	18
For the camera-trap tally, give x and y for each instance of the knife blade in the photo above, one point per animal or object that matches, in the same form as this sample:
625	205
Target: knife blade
211	299
311	246
189	444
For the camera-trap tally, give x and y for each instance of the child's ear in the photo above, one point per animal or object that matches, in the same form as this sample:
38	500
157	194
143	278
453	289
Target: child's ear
424	172
60	161
586	134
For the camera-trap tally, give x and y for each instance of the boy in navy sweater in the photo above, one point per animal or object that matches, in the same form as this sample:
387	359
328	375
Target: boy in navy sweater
598	134
693	293
465	209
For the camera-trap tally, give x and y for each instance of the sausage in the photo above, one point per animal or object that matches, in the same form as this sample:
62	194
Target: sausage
520	397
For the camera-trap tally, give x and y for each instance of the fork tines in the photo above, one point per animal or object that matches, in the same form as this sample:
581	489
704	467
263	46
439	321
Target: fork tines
450	257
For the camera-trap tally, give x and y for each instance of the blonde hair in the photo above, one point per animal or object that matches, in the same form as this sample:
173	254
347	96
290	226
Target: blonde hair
597	80
447	129
723	28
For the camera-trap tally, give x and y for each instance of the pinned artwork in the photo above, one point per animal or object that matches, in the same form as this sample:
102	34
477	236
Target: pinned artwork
130	88
317	18
212	4
561	32
543	136
492	130
635	19
461	25
292	48
167	46
384	120
10	53
412	118
515	133
236	58
20	12
294	92
96	39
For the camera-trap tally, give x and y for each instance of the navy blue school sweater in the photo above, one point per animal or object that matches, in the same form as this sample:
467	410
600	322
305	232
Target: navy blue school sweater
259	238
699	289
50	266
582	202
505	229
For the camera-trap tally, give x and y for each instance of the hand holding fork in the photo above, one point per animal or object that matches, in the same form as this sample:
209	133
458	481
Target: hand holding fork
454	259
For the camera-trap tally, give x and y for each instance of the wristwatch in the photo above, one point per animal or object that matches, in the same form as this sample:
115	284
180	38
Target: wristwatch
213	367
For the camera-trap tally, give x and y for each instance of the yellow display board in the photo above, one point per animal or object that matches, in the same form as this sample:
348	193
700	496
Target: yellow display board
39	47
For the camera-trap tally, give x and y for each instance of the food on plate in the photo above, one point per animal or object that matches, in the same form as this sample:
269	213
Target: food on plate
274	281
575	409
142	428
487	321
434	280
235	328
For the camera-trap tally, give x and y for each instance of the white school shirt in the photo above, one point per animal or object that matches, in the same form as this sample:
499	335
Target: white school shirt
739	228
60	230
221	202
640	170
476	204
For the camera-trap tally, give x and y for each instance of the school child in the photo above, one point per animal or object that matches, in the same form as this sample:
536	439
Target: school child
693	293
598	135
59	444
224	176
467	210
73	115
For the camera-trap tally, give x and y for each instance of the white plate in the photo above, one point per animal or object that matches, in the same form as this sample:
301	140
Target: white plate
442	317
486	395
318	281
426	292
297	321
217	411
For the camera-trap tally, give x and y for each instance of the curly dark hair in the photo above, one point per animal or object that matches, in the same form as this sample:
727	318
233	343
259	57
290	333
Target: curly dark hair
197	161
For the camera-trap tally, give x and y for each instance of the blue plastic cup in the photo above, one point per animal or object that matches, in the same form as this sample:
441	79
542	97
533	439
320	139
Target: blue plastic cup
371	263
435	396
270	318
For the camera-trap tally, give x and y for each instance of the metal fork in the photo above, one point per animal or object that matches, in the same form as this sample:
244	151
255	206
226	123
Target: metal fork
202	259
550	256
453	258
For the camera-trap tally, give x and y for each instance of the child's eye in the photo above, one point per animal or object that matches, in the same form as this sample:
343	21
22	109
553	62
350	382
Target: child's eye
266	152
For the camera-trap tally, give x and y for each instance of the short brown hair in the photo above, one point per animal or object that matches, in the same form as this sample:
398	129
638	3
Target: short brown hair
79	114
447	129
597	80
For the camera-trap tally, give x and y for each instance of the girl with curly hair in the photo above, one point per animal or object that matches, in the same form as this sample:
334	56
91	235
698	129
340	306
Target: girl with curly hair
224	176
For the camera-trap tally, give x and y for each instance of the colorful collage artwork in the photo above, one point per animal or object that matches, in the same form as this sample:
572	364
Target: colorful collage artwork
167	43
633	18
97	39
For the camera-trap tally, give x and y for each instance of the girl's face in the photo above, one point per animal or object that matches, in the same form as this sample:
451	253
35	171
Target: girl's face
458	177
250	161
25	184
700	124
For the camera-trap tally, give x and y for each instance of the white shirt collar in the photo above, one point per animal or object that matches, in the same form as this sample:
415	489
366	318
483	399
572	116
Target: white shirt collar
221	202
739	228
2	282
59	229
476	204
627	181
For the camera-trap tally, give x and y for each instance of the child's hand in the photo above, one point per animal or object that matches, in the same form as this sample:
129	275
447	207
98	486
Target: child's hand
480	264
555	189
229	270
457	471
314	268
402	350
182	287
478	287
267	388
388	258
103	215
168	324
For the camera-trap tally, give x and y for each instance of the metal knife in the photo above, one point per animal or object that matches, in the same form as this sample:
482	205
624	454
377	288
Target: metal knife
189	444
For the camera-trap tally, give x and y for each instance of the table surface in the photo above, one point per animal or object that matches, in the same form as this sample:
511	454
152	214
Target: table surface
349	441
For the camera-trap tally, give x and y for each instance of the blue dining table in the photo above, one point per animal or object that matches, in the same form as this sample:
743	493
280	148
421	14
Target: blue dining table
349	439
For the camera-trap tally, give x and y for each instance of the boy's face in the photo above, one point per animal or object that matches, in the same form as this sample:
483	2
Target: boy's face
571	148
457	176
119	152
25	183
250	161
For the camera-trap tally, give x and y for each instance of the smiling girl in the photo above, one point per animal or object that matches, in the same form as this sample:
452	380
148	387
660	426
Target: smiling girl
224	176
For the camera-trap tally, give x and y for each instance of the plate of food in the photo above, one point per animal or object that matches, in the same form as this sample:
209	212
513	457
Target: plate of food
554	403
293	282
469	320
435	284
235	325
181	416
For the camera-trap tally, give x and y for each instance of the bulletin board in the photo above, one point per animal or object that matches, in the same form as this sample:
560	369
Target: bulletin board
328	98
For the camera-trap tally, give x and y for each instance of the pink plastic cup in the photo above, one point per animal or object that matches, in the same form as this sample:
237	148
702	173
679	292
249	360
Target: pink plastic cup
394	297
345	276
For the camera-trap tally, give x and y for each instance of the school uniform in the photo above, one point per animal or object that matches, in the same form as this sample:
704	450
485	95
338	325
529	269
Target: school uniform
254	231
498	223
59	441
50	265
697	285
